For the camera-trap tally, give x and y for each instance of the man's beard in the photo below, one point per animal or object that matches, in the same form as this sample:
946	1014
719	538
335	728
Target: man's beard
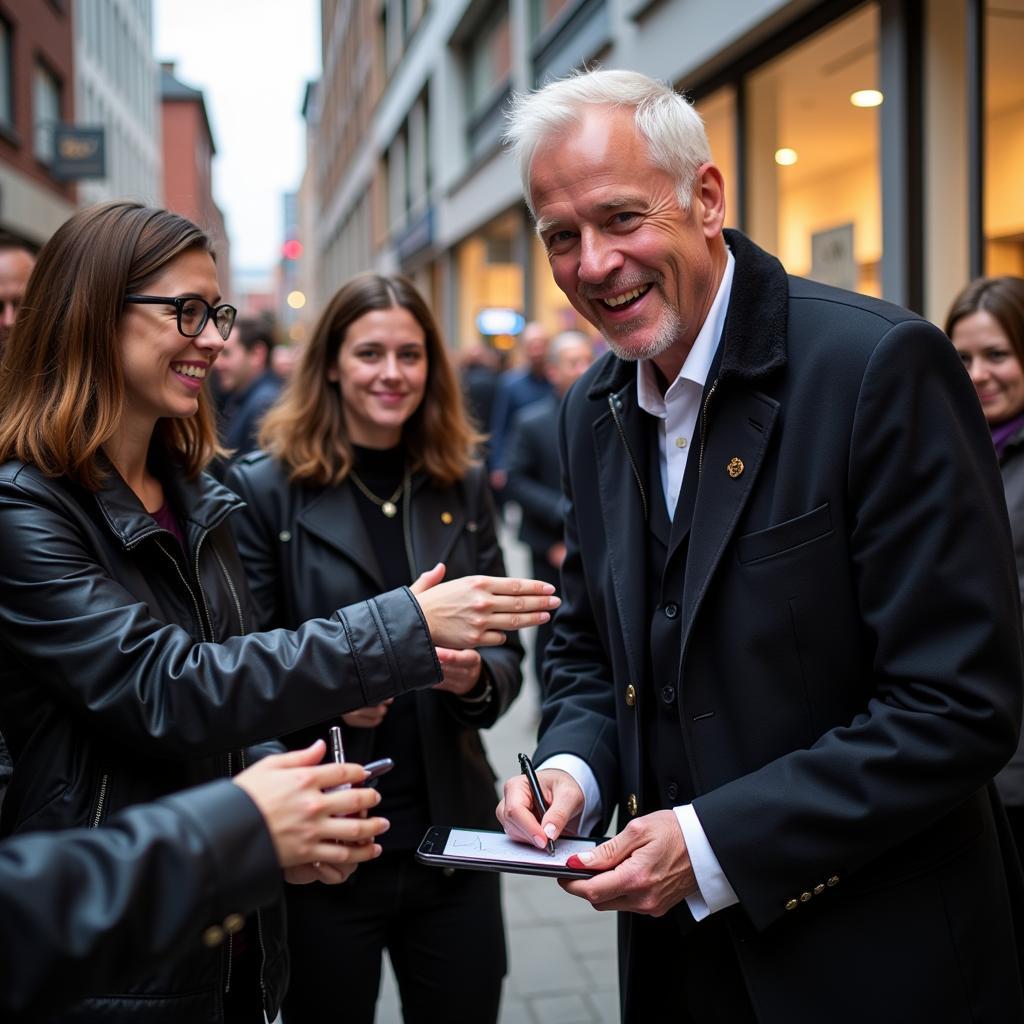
669	330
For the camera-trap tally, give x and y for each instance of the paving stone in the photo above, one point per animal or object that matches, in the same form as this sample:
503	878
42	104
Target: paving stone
539	963
566	1009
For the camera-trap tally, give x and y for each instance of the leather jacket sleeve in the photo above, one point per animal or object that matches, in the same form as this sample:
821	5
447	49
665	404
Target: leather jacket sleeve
75	629
83	911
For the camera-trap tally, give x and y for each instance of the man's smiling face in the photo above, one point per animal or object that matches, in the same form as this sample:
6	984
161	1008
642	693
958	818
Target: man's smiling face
629	258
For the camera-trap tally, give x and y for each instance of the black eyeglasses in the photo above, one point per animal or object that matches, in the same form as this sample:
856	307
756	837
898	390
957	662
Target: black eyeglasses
193	313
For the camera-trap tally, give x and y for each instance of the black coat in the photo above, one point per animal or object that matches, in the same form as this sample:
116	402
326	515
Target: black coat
306	547
71	923
535	476
850	664
112	693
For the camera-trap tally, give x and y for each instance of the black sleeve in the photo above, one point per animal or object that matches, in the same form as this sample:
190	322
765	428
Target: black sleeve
84	911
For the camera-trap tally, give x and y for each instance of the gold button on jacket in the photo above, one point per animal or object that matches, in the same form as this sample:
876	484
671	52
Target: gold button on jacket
632	805
630	695
213	936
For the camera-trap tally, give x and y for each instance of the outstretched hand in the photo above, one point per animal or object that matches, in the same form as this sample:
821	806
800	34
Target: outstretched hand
477	611
313	834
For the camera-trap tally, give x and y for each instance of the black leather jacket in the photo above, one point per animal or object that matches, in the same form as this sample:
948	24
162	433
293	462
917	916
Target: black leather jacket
305	547
70	922
124	676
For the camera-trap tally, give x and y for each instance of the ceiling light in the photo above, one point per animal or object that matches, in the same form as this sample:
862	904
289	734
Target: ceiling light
866	98
785	157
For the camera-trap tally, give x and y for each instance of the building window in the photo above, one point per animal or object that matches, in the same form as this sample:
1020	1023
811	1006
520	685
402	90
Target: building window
1004	137
544	12
6	76
718	111
45	112
813	156
488	73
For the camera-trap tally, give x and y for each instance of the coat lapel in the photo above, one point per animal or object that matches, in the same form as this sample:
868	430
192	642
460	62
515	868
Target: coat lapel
334	518
620	451
438	518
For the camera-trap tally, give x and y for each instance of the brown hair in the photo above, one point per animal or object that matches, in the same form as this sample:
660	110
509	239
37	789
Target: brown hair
306	429
1002	298
61	378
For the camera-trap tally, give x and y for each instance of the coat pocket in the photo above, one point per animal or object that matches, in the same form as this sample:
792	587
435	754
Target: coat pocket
775	540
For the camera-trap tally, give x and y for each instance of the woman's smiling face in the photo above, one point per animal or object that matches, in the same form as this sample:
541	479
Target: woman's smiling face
991	361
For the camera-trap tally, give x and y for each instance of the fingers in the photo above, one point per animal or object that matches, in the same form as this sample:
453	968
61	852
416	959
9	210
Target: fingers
330	775
350	832
515	812
516	586
428	579
343	802
313	754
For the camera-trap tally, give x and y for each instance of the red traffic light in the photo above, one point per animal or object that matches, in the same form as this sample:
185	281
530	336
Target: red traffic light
292	249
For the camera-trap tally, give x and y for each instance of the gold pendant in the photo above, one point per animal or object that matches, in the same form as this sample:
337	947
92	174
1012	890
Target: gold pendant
390	509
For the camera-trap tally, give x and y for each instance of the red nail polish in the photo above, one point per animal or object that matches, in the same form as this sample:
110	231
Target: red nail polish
575	862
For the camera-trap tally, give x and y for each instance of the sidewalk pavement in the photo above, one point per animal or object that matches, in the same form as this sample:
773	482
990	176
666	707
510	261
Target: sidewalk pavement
562	961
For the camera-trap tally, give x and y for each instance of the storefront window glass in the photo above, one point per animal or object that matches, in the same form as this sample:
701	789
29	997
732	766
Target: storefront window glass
1004	137
813	169
719	113
489	276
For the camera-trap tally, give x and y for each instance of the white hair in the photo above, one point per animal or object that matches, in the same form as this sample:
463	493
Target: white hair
665	120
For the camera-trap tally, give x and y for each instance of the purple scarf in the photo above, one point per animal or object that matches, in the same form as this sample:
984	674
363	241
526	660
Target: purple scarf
1002	434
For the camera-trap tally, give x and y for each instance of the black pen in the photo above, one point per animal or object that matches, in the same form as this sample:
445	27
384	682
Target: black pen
542	808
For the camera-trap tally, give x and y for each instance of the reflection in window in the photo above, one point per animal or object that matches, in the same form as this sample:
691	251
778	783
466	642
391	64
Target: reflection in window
488	57
1004	137
6	72
813	195
719	114
544	12
45	112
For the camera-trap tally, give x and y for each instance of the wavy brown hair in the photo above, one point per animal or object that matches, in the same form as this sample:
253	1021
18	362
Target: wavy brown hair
61	377
306	428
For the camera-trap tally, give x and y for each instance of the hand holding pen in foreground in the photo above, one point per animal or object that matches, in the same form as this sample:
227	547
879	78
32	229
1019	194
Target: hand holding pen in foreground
561	793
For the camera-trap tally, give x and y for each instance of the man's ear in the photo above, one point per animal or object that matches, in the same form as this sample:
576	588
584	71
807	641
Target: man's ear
710	191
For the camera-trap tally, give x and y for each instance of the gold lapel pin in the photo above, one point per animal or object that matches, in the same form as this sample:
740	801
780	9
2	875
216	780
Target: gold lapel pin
446	518
735	468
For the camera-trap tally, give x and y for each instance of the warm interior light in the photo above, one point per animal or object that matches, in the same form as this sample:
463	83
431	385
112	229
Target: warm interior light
866	98
785	157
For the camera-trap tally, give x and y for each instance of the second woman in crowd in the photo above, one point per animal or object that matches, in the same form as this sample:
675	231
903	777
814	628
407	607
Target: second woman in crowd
986	325
370	478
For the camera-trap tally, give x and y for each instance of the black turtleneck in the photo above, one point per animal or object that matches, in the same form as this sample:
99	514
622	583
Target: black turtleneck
403	791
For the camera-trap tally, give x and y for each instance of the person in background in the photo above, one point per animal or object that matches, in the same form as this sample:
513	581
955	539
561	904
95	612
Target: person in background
478	375
70	922
16	263
367	475
283	357
130	665
789	650
249	387
986	326
518	387
534	475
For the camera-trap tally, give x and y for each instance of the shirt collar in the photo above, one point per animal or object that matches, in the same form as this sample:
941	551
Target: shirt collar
701	355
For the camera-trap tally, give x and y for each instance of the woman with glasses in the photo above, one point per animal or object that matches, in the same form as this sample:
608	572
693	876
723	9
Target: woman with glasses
369	477
129	667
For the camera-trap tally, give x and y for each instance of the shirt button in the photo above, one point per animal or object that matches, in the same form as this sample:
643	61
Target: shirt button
668	694
673	791
680	442
671	610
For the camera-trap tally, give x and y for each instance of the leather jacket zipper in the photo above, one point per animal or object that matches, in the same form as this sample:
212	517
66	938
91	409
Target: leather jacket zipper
259	927
231	587
101	800
629	455
191	592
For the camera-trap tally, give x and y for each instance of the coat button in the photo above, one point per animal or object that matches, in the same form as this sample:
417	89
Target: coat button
668	694
671	610
284	536
213	936
792	904
830	882
673	791
446	518
805	897
630	695
234	923
819	889
632	805
735	468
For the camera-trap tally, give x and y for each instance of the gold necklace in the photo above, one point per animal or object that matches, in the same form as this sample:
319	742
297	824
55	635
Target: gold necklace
386	505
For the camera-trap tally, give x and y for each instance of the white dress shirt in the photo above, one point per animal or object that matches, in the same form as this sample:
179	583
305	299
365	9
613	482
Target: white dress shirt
677	410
